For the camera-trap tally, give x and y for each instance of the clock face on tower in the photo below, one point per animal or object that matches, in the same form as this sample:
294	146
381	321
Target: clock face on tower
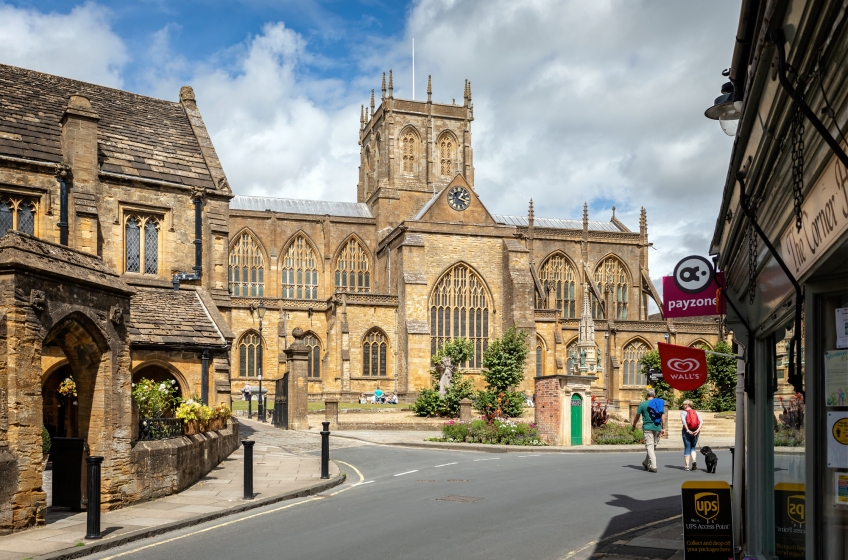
459	198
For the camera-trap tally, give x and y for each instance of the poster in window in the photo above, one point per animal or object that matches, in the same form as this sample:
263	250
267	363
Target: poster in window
840	484
842	327
836	378
837	440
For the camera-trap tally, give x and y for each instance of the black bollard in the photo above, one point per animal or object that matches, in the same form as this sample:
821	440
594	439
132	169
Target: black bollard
264	408
325	450
93	512
249	406
248	468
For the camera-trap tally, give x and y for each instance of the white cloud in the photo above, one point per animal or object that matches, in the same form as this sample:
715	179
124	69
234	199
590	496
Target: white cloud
79	45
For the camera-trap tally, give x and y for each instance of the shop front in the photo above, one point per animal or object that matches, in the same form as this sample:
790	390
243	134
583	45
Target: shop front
781	239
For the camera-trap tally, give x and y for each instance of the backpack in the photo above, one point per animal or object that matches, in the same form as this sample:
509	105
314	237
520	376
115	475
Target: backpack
692	421
656	409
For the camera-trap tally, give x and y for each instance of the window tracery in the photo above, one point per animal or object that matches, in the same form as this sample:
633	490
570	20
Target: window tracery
459	308
141	241
375	352
632	368
446	155
250	354
557	275
313	359
300	270
611	277
247	268
352	268
17	214
409	143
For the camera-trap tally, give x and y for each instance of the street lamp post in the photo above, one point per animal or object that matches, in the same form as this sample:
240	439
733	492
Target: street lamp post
608	376
260	408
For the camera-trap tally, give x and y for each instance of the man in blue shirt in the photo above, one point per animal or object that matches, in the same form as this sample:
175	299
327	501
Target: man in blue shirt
378	396
653	426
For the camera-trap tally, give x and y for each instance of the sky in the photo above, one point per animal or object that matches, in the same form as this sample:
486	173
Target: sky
574	101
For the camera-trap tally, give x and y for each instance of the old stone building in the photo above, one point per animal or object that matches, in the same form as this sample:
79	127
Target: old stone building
379	284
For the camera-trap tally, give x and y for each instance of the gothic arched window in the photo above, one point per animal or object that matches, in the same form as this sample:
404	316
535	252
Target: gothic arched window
409	143
17	214
250	354
557	275
571	356
611	275
459	308
352	268
300	270
141	239
313	359
375	353
632	370
26	218
247	268
446	155
6	222
540	357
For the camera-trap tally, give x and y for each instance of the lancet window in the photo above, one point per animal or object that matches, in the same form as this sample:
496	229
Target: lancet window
17	214
247	268
409	144
557	276
300	270
250	354
352	268
141	240
375	354
313	358
540	357
632	370
459	308
446	155
611	277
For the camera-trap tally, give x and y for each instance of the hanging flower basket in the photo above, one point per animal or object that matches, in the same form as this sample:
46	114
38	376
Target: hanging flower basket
68	388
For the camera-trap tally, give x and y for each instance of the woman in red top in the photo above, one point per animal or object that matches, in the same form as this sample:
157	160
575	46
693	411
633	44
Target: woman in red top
692	423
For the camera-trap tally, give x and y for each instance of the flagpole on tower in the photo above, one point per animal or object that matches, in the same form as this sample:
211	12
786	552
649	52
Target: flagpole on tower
413	68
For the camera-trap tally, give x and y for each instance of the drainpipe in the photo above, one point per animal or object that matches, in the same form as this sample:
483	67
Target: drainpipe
198	246
64	175
739	460
204	377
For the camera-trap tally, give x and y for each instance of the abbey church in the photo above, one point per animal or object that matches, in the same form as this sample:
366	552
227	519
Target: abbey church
125	254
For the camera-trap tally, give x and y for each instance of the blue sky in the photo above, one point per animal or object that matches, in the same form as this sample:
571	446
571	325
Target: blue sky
574	101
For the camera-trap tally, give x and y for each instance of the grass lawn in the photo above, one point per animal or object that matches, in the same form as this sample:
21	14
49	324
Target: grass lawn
315	406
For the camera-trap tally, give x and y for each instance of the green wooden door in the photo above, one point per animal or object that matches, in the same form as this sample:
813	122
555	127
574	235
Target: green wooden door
576	420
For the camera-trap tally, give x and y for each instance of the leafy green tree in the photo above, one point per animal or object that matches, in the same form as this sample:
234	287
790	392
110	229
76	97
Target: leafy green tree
662	389
503	369
721	373
446	371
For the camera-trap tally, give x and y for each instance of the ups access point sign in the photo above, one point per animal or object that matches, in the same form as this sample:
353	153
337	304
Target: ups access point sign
707	520
790	520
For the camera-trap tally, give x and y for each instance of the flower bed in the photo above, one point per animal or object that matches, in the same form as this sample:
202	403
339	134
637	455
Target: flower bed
498	432
616	434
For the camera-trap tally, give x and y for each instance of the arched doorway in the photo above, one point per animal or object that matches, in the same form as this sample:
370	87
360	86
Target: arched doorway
59	412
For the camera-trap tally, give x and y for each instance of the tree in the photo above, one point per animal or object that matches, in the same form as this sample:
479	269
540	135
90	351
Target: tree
449	387
721	373
447	360
503	369
651	360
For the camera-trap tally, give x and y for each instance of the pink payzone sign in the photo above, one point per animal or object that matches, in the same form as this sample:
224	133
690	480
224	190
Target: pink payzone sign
706	301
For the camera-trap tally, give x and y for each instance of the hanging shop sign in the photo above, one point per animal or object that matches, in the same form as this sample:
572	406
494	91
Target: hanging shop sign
824	218
684	368
790	520
693	289
707	520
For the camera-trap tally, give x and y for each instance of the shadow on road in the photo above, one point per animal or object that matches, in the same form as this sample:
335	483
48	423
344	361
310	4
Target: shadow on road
638	513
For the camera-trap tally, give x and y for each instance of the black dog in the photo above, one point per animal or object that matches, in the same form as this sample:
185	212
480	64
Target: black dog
710	458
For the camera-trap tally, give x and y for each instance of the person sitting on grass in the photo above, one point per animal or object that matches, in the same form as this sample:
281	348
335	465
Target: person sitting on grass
378	396
393	398
362	399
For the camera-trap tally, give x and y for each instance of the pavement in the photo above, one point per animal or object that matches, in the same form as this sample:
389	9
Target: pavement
422	504
278	474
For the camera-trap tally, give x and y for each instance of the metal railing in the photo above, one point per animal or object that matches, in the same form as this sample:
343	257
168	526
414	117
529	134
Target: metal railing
150	429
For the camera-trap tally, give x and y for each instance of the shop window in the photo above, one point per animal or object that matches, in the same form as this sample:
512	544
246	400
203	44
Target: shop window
557	276
141	240
459	308
247	268
352	268
375	352
300	270
313	361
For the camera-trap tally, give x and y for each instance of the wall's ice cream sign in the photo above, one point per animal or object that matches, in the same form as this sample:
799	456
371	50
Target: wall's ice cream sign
824	218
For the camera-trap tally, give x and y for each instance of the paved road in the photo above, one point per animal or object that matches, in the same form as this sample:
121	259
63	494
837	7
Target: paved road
413	503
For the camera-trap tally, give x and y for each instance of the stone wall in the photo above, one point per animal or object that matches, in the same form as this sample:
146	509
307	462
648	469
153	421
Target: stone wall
168	466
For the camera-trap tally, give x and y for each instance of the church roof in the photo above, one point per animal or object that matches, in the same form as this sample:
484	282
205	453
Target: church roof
297	206
555	223
137	135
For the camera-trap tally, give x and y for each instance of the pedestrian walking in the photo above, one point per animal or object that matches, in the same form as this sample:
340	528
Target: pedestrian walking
652	413
692	423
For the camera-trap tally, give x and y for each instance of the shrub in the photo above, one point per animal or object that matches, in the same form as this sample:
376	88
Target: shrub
503	368
428	403
46	442
497	405
785	436
461	388
499	431
154	399
616	434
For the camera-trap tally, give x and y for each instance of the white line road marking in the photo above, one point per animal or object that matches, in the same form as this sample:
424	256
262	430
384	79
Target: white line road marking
361	483
492	459
445	465
403	473
537	455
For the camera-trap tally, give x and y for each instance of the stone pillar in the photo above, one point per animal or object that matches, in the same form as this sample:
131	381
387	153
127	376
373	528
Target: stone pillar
331	413
297	355
465	410
548	411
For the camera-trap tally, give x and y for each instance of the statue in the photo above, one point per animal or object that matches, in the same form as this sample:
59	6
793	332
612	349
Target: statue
583	358
445	368
598	355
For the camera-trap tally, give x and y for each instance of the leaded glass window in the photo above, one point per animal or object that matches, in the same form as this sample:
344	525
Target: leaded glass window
26	219
446	155
632	366
352	268
313	359
250	355
17	214
300	270
557	276
572	357
142	243
611	277
5	217
247	268
459	308
374	354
